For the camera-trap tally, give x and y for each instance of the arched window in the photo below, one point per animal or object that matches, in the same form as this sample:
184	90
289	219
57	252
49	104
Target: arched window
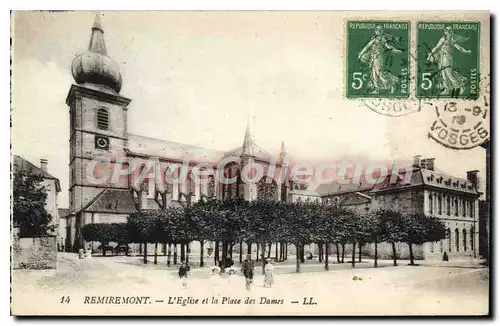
448	205
169	181
440	204
464	240
464	208
102	119
143	178
457	240
431	204
472	208
472	238
448	236
211	186
190	184
456	206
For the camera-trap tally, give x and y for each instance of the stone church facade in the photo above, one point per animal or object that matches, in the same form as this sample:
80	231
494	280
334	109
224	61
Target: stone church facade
99	129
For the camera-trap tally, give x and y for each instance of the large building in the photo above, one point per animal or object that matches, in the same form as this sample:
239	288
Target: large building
426	190
99	128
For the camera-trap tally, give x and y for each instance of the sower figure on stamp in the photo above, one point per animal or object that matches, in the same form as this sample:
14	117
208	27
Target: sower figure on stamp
269	271
442	55
183	271
247	269
375	54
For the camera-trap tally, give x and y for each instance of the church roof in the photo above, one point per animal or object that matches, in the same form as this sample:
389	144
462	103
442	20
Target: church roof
24	167
118	201
170	150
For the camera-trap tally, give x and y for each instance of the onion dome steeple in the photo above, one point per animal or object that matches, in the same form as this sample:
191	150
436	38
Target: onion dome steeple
94	66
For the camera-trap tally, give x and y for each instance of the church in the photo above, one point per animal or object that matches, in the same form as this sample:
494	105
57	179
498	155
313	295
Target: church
99	128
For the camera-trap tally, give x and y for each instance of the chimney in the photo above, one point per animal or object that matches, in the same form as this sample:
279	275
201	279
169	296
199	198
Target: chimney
428	163
416	160
473	178
43	164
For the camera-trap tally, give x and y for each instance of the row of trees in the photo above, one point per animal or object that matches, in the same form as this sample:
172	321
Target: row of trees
261	223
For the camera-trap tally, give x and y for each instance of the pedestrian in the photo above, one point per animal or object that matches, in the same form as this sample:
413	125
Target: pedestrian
216	270
269	270
247	269
183	273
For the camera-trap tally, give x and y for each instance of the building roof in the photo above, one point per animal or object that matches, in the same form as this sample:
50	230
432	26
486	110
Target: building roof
152	147
24	167
118	201
445	181
305	192
419	177
63	212
337	188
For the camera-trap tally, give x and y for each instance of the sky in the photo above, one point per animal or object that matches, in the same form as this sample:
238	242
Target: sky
198	77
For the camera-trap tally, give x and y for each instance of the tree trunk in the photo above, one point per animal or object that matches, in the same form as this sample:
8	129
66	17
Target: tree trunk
241	252
320	252
169	254
394	258
156	253
202	243
175	253
353	262
187	252
230	249
224	255
263	256
257	253
302	249
276	257
145	257
183	252
286	250
216	254
269	250
249	248
338	252
343	252
326	256
359	253
103	249
376	254
297	260
412	261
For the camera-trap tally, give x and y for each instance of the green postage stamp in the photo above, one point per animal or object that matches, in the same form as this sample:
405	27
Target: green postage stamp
448	60
378	59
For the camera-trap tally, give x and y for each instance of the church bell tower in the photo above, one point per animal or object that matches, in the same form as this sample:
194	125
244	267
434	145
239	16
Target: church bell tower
98	123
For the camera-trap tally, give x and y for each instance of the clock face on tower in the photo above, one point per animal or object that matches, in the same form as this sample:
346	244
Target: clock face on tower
102	142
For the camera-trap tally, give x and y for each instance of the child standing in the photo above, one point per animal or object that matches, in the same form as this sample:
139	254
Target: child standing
269	270
183	272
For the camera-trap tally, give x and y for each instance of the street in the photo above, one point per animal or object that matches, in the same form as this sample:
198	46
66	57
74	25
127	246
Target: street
433	288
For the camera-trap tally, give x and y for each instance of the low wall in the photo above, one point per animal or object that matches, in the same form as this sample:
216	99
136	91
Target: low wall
34	252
